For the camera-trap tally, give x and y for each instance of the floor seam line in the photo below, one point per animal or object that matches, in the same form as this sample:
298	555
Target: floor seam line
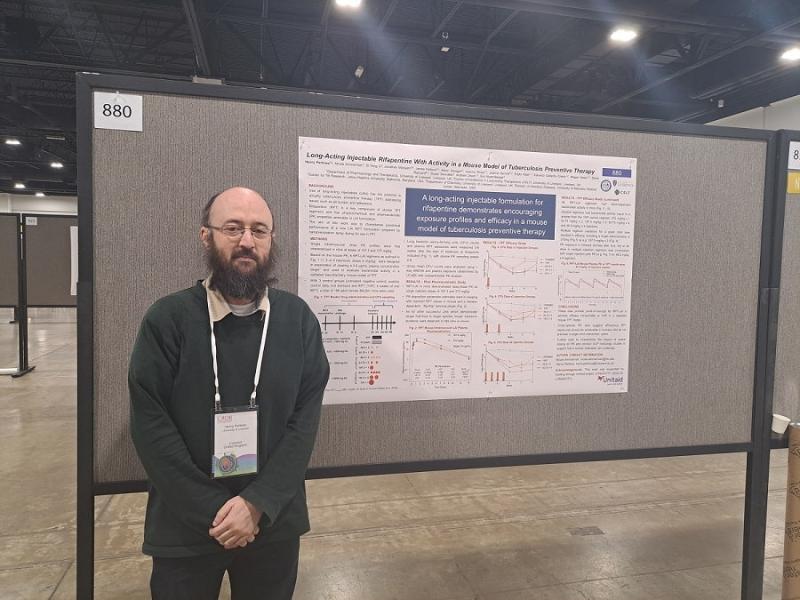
60	581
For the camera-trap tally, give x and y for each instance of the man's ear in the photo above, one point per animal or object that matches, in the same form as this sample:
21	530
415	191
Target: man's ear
205	234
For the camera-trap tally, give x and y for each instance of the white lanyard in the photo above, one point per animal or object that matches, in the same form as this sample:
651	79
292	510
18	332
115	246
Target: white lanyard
217	397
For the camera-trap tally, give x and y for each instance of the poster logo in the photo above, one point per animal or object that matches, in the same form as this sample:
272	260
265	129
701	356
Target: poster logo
605	185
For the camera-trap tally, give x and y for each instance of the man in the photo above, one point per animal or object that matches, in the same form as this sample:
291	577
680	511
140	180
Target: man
206	407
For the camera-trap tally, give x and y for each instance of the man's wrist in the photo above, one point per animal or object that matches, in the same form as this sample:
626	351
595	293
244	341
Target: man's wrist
254	510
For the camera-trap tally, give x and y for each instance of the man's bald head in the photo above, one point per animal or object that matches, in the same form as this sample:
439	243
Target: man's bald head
235	196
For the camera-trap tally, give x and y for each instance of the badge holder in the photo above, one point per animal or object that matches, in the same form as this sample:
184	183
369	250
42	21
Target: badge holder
235	435
234	430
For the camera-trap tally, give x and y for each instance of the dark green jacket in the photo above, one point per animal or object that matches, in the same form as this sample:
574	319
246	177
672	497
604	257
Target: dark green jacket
171	385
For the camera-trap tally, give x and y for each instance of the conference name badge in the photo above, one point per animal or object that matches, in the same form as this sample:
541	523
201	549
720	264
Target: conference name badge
235	443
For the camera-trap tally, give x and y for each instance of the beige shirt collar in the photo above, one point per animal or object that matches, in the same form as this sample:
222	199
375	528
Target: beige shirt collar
220	307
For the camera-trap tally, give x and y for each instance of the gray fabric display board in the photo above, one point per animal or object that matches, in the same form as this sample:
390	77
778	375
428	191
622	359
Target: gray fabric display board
786	399
695	280
47	244
8	260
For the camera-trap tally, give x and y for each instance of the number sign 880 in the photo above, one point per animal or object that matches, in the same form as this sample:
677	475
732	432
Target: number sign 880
117	110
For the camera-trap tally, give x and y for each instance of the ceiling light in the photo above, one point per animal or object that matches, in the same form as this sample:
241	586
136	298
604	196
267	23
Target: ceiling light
359	71
623	35
445	49
19	186
348	3
57	138
792	54
40	194
57	165
13	142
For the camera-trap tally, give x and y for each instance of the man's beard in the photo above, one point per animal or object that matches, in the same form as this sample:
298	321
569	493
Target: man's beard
232	282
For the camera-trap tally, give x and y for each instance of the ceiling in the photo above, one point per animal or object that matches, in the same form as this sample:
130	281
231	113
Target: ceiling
694	60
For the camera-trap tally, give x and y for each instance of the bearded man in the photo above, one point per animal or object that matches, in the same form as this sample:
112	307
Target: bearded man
226	381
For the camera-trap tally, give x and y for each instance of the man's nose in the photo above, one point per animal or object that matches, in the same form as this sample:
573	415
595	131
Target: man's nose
247	239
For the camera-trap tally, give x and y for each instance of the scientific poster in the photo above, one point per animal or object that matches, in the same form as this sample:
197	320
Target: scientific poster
443	272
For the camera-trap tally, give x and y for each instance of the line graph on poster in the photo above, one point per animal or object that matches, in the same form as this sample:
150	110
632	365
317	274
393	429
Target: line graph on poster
518	270
589	285
508	364
439	357
377	318
510	314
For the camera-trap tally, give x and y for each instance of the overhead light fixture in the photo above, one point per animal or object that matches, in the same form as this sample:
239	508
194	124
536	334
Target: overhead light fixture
792	54
57	165
57	138
445	49
445	36
13	142
19	186
623	35
359	71
348	3
40	194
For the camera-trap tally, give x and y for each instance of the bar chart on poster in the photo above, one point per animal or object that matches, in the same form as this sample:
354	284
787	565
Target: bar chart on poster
443	272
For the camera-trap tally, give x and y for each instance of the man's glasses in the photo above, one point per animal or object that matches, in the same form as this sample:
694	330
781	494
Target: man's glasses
235	232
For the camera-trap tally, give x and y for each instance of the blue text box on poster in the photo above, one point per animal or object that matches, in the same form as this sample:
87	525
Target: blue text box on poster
490	215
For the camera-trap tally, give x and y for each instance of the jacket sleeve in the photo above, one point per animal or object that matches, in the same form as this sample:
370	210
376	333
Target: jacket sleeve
282	477
192	497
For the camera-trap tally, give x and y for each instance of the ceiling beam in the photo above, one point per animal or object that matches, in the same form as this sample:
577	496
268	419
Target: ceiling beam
510	17
667	22
306	46
323	28
239	35
435	89
107	35
195	28
448	17
699	64
73	28
596	11
620	10
87	68
388	14
163	37
384	36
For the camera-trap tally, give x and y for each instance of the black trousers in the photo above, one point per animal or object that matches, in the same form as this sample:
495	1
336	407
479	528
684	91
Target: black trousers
268	572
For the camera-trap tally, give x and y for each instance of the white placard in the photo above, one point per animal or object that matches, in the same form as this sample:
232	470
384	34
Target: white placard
31	221
113	110
73	260
794	155
442	272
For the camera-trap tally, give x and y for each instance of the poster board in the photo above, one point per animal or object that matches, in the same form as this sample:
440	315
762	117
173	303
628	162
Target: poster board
786	395
695	284
49	260
8	260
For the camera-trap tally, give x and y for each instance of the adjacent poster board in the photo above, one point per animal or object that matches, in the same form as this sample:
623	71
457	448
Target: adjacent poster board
49	260
8	260
786	400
